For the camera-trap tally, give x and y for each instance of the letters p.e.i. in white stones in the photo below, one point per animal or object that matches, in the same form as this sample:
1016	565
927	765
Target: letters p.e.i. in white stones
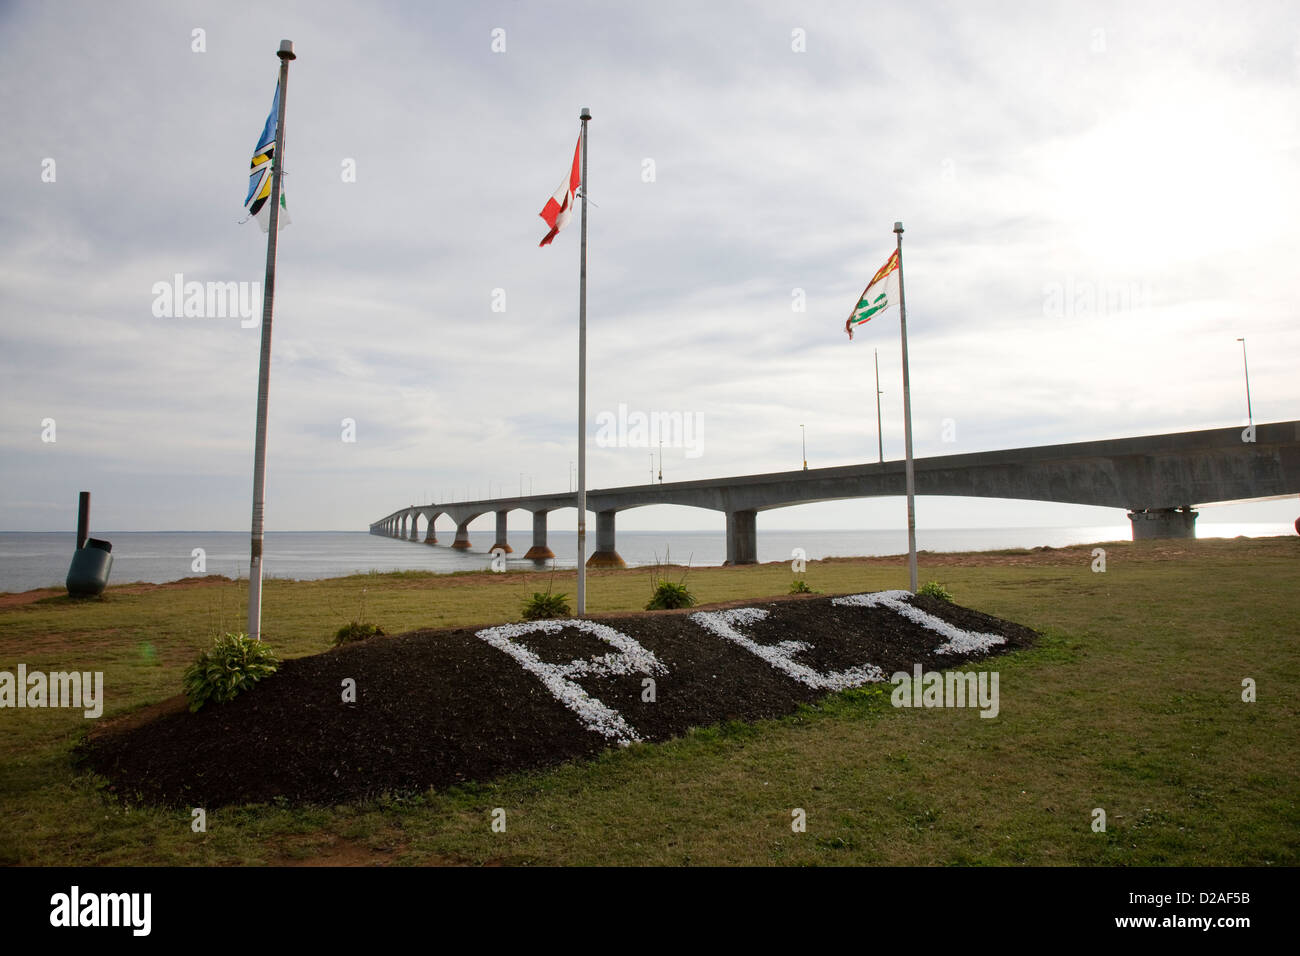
628	657
959	641
728	624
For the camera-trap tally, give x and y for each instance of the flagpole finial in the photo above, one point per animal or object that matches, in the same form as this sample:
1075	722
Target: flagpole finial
585	114
286	50
898	227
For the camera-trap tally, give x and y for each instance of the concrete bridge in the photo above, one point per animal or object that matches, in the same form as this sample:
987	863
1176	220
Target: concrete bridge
1158	478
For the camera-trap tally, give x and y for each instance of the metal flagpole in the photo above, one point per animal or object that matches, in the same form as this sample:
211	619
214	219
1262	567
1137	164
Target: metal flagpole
1250	415
880	437
585	115
285	54
907	418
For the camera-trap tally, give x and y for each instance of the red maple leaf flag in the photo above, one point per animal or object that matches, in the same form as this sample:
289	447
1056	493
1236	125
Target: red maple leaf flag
559	207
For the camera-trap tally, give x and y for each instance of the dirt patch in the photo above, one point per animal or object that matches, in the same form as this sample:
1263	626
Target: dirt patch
1029	557
20	598
343	852
29	597
437	708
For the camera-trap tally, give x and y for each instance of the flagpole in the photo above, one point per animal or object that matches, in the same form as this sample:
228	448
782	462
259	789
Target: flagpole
585	115
907	418
880	437
285	54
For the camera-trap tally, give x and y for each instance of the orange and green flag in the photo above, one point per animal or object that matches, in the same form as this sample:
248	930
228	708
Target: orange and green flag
881	292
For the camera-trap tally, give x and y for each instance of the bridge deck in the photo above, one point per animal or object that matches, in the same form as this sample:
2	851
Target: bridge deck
1144	474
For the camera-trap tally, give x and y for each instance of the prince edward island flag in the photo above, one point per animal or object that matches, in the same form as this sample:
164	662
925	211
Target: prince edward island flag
880	294
259	179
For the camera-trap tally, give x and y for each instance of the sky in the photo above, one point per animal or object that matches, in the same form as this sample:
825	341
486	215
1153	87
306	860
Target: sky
1098	198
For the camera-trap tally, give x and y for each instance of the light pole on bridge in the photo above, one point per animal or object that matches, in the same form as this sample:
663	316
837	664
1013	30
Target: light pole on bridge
1250	415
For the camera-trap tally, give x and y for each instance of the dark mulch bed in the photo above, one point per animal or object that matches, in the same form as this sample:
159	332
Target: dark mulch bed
436	708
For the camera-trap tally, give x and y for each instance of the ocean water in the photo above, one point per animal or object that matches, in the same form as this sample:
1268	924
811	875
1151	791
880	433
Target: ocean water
32	560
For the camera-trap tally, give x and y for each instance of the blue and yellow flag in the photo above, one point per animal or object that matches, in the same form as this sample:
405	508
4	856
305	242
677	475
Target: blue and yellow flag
259	179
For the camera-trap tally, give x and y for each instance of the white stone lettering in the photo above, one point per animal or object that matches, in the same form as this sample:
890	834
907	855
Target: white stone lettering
959	641
628	657
781	656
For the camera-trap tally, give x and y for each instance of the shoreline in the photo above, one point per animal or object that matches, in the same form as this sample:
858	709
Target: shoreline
1042	555
38	561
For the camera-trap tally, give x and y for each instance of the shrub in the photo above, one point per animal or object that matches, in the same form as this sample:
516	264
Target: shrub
801	587
935	590
357	631
668	595
664	594
233	664
541	606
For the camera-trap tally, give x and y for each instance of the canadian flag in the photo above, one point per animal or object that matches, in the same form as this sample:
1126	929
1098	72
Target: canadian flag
559	207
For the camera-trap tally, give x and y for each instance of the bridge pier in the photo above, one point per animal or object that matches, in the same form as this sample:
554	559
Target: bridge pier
462	535
742	537
501	541
429	536
539	551
415	527
605	556
1155	523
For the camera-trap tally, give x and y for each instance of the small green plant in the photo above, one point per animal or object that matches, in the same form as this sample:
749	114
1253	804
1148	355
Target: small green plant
664	594
357	631
668	595
542	606
935	590
233	664
800	586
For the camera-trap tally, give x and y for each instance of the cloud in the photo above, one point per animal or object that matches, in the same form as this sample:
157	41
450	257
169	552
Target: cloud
1098	200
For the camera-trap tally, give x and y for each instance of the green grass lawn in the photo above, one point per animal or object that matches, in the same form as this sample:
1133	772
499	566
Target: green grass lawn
1131	702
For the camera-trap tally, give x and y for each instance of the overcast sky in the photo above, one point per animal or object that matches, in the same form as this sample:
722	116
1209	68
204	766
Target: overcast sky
1099	199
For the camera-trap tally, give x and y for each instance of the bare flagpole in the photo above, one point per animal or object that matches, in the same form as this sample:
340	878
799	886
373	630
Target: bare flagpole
907	418
880	436
285	54
585	115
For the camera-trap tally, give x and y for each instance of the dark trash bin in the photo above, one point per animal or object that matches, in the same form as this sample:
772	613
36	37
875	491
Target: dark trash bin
88	575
